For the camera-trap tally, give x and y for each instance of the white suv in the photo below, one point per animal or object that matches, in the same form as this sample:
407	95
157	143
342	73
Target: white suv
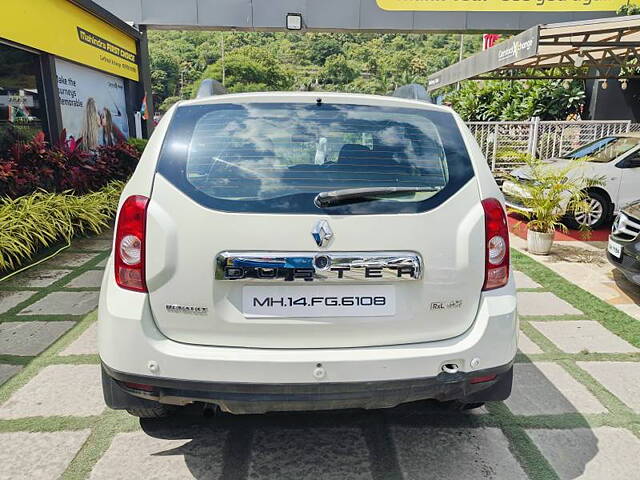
298	251
614	159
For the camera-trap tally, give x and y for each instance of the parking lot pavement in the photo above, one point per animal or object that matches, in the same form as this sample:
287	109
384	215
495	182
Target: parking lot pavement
574	411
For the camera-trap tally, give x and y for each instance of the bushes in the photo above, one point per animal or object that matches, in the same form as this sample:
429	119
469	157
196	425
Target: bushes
34	221
35	165
138	143
503	100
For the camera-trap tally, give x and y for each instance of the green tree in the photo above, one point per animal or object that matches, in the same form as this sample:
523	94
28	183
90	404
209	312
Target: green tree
629	9
503	100
339	70
248	67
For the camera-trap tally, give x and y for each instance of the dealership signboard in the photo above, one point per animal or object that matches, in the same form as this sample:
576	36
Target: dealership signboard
519	47
503	5
63	29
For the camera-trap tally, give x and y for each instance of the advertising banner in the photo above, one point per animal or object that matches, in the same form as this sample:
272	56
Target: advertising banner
63	29
503	5
93	105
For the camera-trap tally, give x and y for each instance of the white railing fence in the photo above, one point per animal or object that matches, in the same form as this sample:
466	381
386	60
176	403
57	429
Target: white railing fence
503	142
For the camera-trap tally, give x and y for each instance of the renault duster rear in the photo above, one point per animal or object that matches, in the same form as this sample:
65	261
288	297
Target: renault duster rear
297	251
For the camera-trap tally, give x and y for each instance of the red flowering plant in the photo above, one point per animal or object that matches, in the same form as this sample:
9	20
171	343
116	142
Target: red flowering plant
34	165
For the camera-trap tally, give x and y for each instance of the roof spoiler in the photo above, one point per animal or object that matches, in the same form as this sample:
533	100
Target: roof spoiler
210	87
412	91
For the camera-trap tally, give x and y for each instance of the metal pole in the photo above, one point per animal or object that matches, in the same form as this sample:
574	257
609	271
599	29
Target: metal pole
460	55
145	79
495	148
535	125
223	66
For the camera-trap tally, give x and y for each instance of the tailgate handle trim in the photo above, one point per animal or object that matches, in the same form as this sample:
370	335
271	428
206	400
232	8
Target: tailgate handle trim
312	266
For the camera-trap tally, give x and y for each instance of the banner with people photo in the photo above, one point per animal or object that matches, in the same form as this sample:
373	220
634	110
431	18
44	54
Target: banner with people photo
93	105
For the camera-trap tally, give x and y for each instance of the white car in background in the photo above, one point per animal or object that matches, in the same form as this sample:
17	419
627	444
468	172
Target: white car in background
301	251
615	160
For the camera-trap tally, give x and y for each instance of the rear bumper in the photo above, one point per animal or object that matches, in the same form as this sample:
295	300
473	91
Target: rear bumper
245	398
131	346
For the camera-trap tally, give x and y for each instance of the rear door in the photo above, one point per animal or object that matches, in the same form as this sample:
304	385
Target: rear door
232	229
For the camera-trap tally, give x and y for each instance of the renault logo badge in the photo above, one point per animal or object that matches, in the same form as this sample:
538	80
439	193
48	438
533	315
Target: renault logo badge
322	233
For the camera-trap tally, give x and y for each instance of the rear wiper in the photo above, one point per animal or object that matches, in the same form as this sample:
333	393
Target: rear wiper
353	195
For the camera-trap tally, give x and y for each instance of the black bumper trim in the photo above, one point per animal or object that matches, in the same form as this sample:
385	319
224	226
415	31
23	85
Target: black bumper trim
257	398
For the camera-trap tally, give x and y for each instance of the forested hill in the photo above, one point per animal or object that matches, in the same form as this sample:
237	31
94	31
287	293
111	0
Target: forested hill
351	62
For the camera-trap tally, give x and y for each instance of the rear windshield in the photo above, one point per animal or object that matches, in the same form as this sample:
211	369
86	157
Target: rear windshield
275	158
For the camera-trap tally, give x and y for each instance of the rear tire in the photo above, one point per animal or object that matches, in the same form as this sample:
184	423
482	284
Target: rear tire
600	211
160	411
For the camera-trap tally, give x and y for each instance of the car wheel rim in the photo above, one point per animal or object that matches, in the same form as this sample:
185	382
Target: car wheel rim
592	215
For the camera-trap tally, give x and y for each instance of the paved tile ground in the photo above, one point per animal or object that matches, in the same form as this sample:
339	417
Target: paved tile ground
620	378
574	411
527	346
8	371
544	304
39	305
545	388
30	338
86	344
585	264
594	454
583	335
38	455
90	278
195	452
63	303
9	300
523	281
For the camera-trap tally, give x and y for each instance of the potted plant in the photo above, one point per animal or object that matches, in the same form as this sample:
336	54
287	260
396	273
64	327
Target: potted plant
543	192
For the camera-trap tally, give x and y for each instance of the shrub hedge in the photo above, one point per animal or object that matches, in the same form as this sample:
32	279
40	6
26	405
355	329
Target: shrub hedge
31	222
35	165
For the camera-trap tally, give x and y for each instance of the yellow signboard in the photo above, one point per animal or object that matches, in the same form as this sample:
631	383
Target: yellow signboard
63	29
503	5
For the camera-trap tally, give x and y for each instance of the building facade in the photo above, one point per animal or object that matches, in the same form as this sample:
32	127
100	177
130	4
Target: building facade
70	66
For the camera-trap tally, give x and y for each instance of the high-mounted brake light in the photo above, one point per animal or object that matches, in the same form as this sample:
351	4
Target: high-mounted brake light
130	244
496	245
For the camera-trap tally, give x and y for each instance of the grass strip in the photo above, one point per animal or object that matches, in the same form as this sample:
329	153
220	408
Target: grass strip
75	360
553	318
107	426
578	357
47	424
15	359
609	316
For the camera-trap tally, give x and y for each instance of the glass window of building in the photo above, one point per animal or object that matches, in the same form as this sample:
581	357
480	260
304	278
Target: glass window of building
21	102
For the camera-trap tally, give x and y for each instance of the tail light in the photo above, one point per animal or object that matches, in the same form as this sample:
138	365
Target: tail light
130	244
496	245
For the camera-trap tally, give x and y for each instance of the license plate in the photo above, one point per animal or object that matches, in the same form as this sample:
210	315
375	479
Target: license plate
319	301
614	249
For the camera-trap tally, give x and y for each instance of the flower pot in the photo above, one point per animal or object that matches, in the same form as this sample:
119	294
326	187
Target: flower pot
539	243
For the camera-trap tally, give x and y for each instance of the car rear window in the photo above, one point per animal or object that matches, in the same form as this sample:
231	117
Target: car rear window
276	157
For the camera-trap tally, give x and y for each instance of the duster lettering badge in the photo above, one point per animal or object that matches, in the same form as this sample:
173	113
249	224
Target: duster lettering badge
309	266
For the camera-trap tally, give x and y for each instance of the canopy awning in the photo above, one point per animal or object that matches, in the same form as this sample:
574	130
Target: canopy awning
603	48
